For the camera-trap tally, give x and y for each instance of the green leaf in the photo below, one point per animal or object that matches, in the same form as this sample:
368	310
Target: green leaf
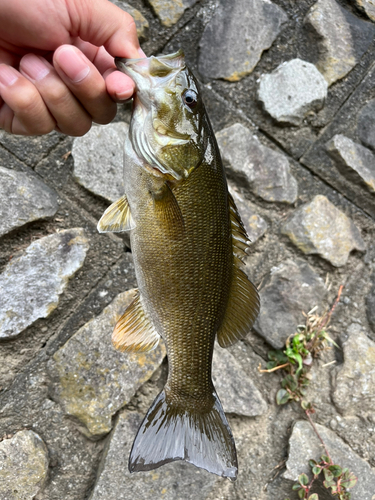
277	356
325	459
316	470
301	493
350	481
314	496
282	397
312	463
336	470
293	356
328	475
271	364
296	487
303	479
290	382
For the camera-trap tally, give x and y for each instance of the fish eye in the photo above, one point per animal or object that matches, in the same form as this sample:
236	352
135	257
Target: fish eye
190	98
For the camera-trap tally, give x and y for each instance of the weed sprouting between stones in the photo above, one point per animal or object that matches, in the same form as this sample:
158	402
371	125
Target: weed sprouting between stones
296	360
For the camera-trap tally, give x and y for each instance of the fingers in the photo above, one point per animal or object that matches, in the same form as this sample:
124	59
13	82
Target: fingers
68	113
23	110
85	82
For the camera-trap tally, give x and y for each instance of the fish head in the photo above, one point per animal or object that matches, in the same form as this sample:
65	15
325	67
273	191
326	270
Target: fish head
167	124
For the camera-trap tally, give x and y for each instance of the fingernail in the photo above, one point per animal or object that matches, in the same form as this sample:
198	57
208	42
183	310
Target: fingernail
141	53
8	75
73	64
36	68
124	96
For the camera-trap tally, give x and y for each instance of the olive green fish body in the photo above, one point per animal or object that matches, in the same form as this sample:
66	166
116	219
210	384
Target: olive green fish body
187	241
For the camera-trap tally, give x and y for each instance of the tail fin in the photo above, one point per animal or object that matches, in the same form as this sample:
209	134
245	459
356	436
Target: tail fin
168	433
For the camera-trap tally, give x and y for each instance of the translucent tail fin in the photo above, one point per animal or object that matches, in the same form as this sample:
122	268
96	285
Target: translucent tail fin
169	433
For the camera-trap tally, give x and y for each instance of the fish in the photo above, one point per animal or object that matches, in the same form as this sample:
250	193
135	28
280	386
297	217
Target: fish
188	244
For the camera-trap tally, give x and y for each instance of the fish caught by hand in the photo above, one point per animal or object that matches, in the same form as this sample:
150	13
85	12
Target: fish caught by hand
188	243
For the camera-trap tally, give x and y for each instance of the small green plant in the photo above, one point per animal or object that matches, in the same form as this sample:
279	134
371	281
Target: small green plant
296	361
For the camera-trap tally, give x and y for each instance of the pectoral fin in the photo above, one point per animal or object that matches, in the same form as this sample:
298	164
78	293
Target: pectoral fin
168	212
134	331
117	217
243	304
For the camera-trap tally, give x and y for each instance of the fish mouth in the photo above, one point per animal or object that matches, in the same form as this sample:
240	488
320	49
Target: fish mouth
144	70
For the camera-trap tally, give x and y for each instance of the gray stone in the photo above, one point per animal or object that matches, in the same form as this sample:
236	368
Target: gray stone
92	380
170	11
30	149
235	37
356	161
366	125
304	445
319	227
98	160
23	466
370	304
290	289
26	199
236	390
292	90
340	38
265	170
141	22
255	225
32	282
354	391
367	6
176	480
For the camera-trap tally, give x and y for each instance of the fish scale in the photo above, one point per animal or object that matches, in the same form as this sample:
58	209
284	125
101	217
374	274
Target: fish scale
187	241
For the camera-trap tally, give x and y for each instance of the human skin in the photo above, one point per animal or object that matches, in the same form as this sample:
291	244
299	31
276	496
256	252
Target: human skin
57	69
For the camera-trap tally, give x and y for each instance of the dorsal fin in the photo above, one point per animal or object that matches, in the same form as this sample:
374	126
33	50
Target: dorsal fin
243	303
117	217
133	331
239	235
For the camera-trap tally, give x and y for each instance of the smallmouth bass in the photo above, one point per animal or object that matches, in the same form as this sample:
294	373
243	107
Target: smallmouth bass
188	243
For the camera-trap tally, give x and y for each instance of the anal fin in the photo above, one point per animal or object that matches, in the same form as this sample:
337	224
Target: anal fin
117	218
134	332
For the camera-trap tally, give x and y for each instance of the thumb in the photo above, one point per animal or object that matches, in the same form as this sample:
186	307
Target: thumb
100	22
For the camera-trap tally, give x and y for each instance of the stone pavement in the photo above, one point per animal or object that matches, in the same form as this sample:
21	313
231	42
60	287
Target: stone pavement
290	90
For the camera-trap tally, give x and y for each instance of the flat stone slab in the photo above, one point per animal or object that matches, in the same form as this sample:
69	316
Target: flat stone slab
320	228
356	161
354	391
170	11
99	159
266	171
23	466
367	6
237	392
304	445
236	35
141	22
176	480
291	288
32	282
254	224
366	124
27	199
91	380
292	90
340	38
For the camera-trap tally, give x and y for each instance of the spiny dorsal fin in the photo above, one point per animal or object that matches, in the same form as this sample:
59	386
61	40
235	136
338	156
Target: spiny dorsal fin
242	309
117	217
168	212
134	331
239	235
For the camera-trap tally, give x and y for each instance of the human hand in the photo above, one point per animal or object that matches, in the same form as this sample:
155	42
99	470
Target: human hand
56	64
